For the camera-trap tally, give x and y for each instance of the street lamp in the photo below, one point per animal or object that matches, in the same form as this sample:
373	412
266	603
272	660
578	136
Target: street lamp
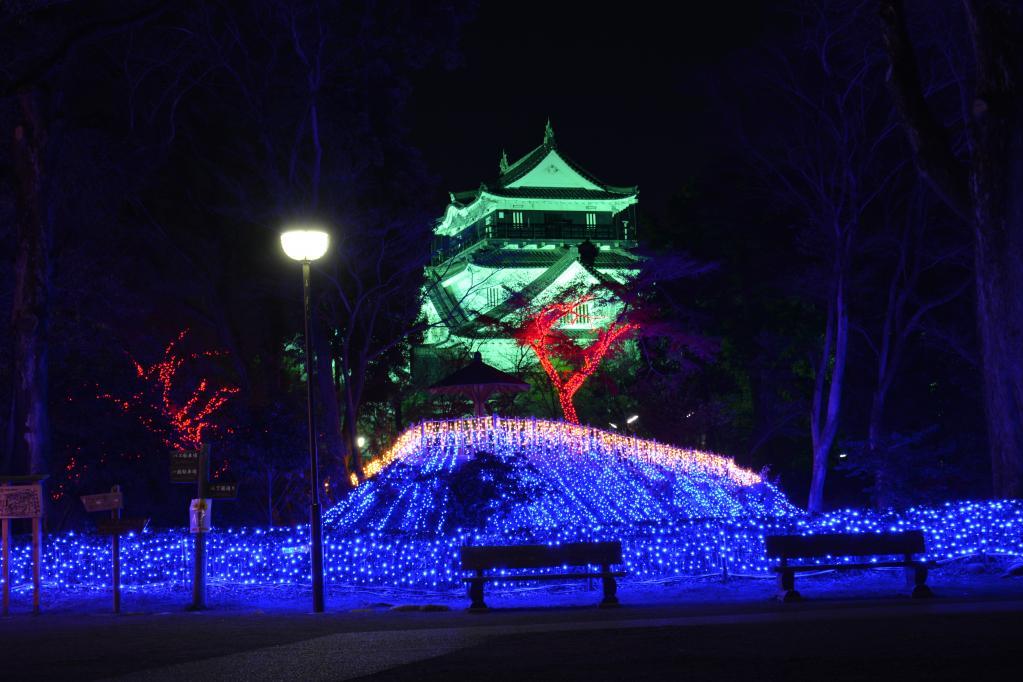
306	245
628	422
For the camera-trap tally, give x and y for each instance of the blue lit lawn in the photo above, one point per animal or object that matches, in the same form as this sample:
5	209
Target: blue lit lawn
969	578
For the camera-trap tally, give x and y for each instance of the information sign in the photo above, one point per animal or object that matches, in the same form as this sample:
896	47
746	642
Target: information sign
223	490
103	502
21	501
184	466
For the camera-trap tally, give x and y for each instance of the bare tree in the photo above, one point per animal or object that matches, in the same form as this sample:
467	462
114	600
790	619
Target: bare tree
313	96
918	284
39	40
983	189
830	166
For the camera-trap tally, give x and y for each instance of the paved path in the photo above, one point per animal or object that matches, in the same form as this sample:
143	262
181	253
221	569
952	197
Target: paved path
603	649
519	643
696	626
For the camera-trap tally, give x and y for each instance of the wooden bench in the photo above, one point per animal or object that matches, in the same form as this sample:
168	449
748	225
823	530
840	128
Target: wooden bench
603	554
832	546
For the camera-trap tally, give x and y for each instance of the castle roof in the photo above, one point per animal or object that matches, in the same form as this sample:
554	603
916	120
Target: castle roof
545	173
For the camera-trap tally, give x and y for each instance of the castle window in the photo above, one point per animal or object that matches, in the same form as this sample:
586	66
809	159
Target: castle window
517	219
591	220
582	314
493	296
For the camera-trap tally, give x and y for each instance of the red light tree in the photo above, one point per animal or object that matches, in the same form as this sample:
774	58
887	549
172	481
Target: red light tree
180	418
539	334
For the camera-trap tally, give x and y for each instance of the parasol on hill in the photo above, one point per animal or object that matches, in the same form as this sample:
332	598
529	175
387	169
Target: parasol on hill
479	380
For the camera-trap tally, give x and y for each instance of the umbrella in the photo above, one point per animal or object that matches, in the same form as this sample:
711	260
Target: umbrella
479	380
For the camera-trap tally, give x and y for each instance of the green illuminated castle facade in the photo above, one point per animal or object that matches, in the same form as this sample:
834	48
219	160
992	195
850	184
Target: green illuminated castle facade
518	238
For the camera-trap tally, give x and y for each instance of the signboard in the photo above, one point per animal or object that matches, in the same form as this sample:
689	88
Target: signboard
223	490
184	466
103	502
21	501
121	526
199	513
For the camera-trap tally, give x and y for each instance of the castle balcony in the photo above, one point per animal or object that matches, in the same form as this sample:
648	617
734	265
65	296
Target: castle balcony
618	233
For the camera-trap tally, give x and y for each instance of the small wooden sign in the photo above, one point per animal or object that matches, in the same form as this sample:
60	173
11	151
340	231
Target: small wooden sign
184	466
223	490
103	502
121	526
21	501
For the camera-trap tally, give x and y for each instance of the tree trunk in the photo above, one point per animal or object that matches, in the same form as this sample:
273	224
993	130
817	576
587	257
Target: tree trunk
999	281
399	416
825	410
331	422
352	425
269	496
875	430
32	270
996	185
992	201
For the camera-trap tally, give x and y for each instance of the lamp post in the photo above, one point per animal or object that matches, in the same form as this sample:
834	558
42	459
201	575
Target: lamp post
306	245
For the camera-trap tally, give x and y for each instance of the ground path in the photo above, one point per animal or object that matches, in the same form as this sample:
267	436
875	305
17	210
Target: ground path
856	627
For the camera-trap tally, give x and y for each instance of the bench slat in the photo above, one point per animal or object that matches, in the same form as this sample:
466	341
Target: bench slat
541	556
861	544
834	567
542	576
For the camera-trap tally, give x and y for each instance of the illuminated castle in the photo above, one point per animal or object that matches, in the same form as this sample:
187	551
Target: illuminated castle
518	238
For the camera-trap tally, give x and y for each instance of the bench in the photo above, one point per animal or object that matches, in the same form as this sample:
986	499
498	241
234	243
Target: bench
832	546
603	554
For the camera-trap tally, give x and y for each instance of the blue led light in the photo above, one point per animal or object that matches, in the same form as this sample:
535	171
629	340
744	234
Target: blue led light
676	512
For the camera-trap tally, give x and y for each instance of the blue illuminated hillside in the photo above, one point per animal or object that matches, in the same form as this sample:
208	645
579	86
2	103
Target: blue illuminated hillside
502	477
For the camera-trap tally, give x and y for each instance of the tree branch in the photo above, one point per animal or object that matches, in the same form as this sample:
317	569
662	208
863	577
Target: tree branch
932	148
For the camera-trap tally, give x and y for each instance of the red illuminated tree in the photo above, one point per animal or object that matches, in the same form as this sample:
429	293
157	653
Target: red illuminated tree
180	417
551	344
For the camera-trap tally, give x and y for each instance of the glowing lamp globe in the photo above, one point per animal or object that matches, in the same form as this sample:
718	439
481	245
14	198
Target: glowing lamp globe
305	245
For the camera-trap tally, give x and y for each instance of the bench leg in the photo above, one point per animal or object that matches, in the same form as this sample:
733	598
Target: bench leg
787	586
476	595
610	588
917	577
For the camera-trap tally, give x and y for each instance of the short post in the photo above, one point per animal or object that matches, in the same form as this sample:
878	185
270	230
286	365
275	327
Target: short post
115	552
7	564
37	560
610	587
113	502
787	583
916	577
476	593
199	572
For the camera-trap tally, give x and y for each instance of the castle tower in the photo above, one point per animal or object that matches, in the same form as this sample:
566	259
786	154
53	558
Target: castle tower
518	238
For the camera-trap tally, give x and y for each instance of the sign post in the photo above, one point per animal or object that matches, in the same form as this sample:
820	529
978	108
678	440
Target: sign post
24	501
114	527
6	558
203	508
193	466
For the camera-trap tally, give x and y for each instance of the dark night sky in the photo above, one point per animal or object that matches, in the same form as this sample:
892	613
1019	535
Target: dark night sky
628	90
